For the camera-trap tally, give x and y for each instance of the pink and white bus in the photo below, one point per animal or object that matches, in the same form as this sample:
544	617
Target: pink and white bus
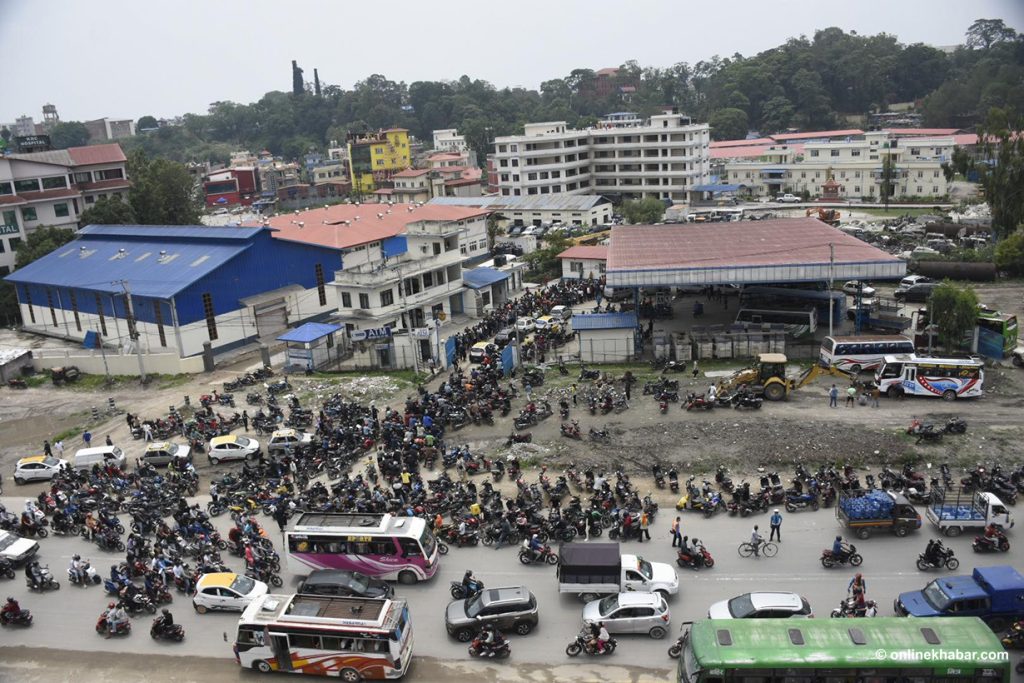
376	544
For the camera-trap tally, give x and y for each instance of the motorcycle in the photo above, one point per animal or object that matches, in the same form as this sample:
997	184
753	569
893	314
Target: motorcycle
598	434
91	577
571	430
477	648
924	432
6	568
22	618
1013	639
175	632
998	543
46	581
955	425
673	480
582	644
746	401
848	609
849	556
695	402
802	502
662	406
697	557
519	438
544	555
944	558
461	592
123	629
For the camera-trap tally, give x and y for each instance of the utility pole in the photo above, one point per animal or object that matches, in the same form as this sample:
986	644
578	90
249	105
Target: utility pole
831	276
133	328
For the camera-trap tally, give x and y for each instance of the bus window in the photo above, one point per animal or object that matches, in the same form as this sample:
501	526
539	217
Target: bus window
297	640
842	349
891	370
384	546
829	345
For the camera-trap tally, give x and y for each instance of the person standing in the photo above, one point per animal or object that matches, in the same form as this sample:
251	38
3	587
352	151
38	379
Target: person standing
833	397
58	447
528	388
776	526
851	396
281	515
696	370
875	394
245	420
87	438
574	389
644	524
677	538
47	450
147	431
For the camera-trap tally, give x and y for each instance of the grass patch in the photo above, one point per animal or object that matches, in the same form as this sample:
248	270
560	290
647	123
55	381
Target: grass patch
69	433
37	380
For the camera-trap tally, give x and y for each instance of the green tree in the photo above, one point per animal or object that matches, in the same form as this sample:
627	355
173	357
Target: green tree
146	122
954	311
545	261
109	211
66	134
1009	254
729	124
643	211
37	243
163	192
1003	143
984	33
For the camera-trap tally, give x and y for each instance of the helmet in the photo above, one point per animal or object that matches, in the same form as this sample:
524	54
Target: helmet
839	538
110	605
166	612
10	599
76	557
776	509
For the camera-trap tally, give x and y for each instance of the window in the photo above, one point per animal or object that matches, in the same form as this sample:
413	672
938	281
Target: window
28	302
74	309
935	189
321	289
158	316
110	174
2	247
835	152
364	300
211	320
428	280
55	183
387	297
83	177
854	152
61	210
103	318
346	300
304	641
28	213
26	186
6	188
89	199
814	152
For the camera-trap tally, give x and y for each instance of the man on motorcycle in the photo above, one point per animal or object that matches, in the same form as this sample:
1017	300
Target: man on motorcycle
535	546
839	550
11	609
165	621
77	568
684	549
115	617
492	639
933	553
470	582
34	574
991	536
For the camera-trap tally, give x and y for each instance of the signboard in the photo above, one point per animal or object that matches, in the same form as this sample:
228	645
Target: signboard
9	229
299	356
374	333
33	143
420	333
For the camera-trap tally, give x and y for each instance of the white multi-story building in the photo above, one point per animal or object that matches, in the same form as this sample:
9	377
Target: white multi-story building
856	163
449	140
661	158
509	212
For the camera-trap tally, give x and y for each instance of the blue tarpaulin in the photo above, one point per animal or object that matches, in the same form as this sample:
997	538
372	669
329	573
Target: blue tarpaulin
603	321
449	351
508	360
309	332
478	278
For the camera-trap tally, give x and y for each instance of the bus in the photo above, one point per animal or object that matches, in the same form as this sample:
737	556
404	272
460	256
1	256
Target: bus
351	638
376	544
948	378
853	354
991	326
879	650
805	296
796	322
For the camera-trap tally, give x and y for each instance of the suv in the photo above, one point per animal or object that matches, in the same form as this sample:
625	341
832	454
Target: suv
345	584
761	605
919	292
504	336
512	608
287	439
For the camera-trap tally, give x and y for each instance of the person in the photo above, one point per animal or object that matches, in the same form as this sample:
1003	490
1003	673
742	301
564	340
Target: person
644	531
470	582
58	447
851	396
92	525
684	548
991	535
627	526
712	393
503	533
165	621
529	392
677	537
77	568
147	431
47	450
536	546
11	609
602	636
110	442
214	493
838	549
833	397
876	393
115	617
775	523
857	584
696	370
756	539
574	390
281	514
87	438
860	607
34	574
595	632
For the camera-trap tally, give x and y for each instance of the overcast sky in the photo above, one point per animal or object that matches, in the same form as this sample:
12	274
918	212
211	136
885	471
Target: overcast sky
95	58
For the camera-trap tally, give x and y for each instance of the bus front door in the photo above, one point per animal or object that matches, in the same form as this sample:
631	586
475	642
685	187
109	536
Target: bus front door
910	381
282	654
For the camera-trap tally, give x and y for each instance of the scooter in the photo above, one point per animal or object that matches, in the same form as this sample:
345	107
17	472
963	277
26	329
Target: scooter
91	577
477	648
461	592
803	501
123	629
22	618
158	631
46	581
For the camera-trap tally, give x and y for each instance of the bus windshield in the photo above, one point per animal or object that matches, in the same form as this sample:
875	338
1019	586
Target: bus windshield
427	542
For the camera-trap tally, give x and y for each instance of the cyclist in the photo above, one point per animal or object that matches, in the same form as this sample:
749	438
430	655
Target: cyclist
756	540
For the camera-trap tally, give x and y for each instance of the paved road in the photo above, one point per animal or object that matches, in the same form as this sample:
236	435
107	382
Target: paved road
66	618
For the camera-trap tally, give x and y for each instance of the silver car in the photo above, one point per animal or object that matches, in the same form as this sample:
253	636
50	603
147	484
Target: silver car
646	613
761	605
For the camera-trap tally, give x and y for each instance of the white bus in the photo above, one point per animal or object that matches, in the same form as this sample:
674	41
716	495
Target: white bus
351	638
948	378
867	352
796	322
376	544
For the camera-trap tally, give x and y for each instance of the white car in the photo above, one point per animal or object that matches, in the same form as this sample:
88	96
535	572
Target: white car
38	467
232	447
525	325
286	439
226	591
646	613
851	288
788	198
761	605
15	549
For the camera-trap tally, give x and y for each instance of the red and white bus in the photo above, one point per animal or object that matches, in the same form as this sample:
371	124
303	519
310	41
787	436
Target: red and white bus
867	352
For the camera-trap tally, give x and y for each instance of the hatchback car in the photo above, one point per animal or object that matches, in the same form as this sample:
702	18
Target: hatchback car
478	351
547	323
510	609
646	613
232	447
336	582
286	439
226	591
851	288
525	325
504	336
762	605
37	467
160	454
913	280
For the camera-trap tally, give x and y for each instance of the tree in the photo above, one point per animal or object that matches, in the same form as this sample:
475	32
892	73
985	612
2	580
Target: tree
1009	255
37	243
545	261
66	134
954	311
643	211
729	124
109	211
163	192
1002	142
147	122
984	33
888	173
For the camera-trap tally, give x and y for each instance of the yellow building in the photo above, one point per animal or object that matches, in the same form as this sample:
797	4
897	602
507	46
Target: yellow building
377	156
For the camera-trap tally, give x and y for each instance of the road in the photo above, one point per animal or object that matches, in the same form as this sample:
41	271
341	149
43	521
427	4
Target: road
65	619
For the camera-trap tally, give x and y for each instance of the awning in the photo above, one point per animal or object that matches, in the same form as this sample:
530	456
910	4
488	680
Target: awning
478	278
310	332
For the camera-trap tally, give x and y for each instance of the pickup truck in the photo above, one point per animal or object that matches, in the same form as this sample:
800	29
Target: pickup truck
787	198
996	594
956	510
15	548
876	510
594	569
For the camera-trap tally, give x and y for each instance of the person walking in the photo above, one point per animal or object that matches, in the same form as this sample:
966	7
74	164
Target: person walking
109	441
776	526
245	420
147	431
677	537
58	447
574	389
87	438
47	450
644	524
851	396
696	370
833	397
281	515
528	388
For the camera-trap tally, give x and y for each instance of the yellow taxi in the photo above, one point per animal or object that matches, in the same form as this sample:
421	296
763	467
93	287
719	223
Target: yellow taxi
37	467
232	447
547	323
226	591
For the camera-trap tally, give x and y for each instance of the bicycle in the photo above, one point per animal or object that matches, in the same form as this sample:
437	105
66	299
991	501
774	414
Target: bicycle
767	549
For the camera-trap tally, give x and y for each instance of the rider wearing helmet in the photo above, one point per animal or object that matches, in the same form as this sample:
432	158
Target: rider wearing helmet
115	617
535	545
77	569
12	608
857	585
838	549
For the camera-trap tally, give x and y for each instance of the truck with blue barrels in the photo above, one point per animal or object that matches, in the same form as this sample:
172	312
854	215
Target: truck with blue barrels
995	594
875	510
954	511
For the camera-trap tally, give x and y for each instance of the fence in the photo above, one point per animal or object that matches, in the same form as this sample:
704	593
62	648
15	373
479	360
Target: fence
93	363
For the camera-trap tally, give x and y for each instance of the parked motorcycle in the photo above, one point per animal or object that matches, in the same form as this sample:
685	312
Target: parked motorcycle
803	501
924	432
571	430
955	425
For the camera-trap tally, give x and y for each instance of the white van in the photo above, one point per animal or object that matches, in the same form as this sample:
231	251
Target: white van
85	458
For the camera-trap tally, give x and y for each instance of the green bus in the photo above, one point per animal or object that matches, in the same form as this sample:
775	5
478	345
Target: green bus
1001	324
878	650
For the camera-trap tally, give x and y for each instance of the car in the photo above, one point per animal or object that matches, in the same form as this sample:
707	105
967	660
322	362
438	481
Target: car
852	287
787	198
913	280
286	439
1018	356
160	454
630	613
761	605
232	447
921	251
226	591
547	322
336	582
525	325
510	609
478	351
504	336
38	467
919	293
561	312
866	304
15	549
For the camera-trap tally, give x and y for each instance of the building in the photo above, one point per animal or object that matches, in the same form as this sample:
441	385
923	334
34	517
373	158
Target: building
232	186
105	130
583	262
422	184
179	287
53	189
276	174
508	212
449	140
23	126
606	337
375	157
856	160
659	158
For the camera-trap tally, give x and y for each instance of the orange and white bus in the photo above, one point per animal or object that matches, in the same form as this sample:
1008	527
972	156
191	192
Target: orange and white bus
350	638
867	352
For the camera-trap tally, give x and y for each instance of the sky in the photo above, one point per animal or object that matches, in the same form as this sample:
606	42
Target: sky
121	59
